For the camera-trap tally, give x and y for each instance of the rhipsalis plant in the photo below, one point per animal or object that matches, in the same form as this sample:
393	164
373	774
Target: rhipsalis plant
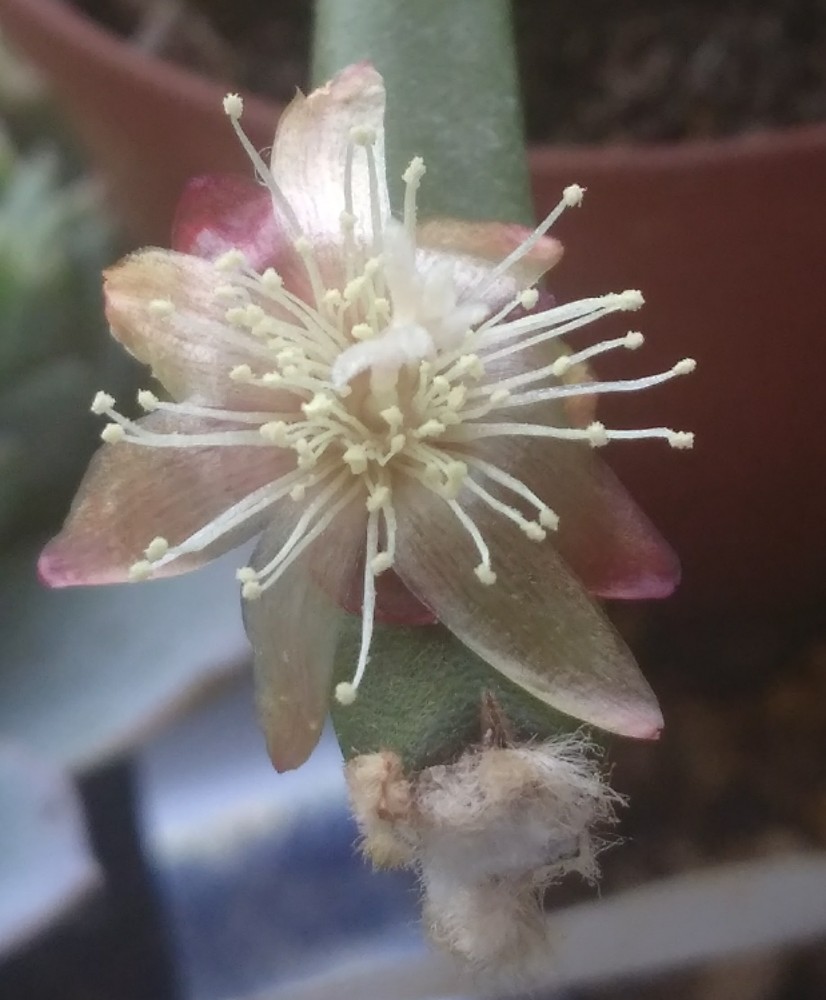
388	402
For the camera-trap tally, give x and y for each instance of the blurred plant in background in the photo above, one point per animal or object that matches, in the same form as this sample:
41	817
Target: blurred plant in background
54	240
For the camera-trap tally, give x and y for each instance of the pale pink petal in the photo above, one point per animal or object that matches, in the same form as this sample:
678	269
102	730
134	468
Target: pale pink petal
488	243
395	604
293	628
132	494
220	212
310	151
191	349
536	624
603	535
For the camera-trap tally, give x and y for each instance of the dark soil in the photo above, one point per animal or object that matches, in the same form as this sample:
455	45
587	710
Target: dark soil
593	70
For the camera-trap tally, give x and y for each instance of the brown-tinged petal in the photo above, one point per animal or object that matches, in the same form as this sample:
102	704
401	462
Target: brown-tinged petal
217	213
535	624
488	243
191	348
310	151
132	494
293	627
603	535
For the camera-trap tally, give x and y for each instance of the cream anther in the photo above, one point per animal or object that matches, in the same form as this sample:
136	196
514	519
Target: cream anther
561	365
684	367
332	298
382	306
233	106
597	435
141	570
414	172
319	406
147	400
353	289
271	280
297	492
630	300
430	428
245	574
232	260
363	135
362	331
485	574
253	314
112	434
633	340
356	458
381	562
573	195
681	439
251	590
345	693
549	519
393	417
499	396
272	378
236	315
275	431
161	307
347	221
533	531
101	403
156	549
528	298
240	373
470	364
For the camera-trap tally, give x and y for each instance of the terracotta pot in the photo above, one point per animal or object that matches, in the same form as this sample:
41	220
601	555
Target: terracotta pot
726	239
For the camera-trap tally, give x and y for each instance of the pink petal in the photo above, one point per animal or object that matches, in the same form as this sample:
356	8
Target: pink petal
223	212
603	535
293	627
192	349
395	604
535	624
310	151
131	494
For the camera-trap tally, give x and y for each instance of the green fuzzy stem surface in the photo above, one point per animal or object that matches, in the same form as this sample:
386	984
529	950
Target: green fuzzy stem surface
427	697
452	96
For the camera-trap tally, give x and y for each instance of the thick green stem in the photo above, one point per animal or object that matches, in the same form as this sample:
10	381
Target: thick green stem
453	96
453	99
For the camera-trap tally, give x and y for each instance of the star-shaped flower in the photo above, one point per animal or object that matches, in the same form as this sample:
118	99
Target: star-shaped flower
389	404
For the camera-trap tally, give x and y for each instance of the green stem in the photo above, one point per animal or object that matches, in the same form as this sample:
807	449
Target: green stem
453	96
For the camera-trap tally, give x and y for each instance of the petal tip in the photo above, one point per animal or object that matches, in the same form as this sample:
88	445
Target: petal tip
53	569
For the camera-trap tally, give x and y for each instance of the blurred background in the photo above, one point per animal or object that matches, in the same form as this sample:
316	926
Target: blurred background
147	849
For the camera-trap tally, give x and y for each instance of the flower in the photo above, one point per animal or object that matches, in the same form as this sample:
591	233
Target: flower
374	396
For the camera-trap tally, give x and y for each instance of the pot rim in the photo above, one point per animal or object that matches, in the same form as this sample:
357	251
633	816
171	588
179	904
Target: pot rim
57	20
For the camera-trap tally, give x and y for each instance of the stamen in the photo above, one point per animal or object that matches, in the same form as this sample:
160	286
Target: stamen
346	692
412	178
631	341
571	197
684	367
547	517
483	571
234	109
